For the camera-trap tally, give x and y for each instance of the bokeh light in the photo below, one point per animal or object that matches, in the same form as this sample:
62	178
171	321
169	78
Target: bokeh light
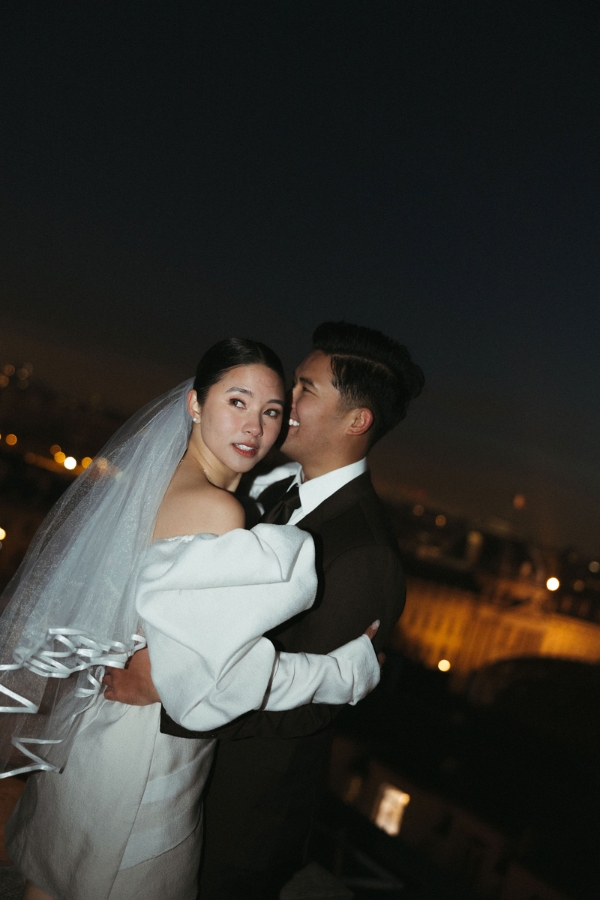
11	440
70	462
579	585
2	534
444	665
3	381
519	501
8	370
86	461
418	510
553	584
594	566
440	521
55	448
60	457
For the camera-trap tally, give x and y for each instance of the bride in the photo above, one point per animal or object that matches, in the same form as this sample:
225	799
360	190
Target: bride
151	539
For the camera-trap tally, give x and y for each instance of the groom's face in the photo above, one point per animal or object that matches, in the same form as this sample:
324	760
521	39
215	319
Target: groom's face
316	419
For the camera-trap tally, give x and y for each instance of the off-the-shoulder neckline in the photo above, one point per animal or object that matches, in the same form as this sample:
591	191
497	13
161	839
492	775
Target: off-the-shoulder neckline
184	537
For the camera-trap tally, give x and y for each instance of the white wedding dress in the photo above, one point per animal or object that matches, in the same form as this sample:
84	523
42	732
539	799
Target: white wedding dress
123	820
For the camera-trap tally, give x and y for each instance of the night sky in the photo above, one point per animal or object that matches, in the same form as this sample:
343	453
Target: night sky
171	173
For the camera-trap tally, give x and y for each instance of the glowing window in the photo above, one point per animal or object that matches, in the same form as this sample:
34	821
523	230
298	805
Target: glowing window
391	809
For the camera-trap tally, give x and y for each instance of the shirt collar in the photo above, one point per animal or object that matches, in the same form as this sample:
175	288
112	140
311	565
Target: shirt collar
317	490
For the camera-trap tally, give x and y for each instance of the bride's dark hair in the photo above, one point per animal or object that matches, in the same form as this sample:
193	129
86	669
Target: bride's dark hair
227	355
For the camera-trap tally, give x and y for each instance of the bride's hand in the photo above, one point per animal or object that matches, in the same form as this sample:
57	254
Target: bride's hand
370	633
132	685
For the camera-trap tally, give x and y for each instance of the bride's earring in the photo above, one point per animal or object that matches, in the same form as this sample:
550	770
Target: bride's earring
196	419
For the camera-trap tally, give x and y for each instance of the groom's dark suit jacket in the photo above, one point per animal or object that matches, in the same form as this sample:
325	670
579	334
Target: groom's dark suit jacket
262	793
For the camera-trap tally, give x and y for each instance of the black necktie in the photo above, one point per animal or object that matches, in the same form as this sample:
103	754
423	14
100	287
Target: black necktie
281	513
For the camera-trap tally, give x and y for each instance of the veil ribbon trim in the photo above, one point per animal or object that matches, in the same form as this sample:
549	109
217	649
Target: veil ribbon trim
44	660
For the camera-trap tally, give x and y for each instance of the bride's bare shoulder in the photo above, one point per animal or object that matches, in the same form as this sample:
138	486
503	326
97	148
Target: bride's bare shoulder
221	510
197	509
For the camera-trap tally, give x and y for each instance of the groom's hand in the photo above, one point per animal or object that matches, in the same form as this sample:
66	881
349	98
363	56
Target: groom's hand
370	633
132	685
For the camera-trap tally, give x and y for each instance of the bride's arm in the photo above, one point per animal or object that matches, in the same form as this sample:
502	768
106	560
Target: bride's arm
201	702
344	676
210	663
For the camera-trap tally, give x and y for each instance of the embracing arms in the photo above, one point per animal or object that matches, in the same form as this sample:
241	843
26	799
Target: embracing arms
359	585
210	661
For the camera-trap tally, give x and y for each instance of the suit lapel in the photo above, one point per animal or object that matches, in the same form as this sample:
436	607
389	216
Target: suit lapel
332	506
337	503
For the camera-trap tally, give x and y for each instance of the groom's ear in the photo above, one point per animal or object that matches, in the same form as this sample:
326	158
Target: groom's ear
359	420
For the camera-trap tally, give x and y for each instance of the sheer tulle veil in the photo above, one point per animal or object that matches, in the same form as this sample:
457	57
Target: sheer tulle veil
69	610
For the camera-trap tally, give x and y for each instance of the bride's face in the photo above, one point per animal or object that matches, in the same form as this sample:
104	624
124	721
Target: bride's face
240	419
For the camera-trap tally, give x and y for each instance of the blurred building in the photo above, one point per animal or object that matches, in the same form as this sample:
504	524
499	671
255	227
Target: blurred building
475	597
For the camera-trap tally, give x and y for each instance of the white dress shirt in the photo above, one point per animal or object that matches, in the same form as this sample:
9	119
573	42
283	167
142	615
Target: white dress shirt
313	492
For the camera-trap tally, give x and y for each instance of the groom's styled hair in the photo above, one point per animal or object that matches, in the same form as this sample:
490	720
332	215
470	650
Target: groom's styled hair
372	370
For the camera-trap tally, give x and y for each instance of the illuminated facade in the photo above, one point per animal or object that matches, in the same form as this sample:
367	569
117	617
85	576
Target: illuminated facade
475	597
470	630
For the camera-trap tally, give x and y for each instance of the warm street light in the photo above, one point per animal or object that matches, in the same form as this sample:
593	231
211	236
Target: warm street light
553	584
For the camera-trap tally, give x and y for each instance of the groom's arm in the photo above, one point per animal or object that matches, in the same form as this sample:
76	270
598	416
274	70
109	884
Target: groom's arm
361	585
299	722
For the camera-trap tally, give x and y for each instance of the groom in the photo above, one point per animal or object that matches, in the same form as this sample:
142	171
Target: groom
352	389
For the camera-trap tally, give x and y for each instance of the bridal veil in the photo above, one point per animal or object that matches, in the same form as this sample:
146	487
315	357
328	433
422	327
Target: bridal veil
69	610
